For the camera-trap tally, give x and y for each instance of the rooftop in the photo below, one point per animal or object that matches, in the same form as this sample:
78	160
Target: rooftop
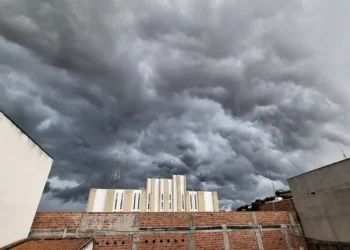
14	123
329	165
51	244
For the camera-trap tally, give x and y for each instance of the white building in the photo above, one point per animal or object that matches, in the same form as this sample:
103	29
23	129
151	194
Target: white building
159	195
24	168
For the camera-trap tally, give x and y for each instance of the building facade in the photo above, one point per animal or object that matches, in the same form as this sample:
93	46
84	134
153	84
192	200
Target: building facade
159	195
322	201
24	169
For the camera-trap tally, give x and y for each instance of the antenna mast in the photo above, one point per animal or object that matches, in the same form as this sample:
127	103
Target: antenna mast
116	171
343	154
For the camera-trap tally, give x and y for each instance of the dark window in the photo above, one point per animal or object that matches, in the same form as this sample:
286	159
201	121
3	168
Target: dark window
121	201
138	202
116	200
183	202
195	201
149	202
191	201
134	201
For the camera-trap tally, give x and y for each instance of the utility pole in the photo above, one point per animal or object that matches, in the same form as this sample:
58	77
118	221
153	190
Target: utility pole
274	191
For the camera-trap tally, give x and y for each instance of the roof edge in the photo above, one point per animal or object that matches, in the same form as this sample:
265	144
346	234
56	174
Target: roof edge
37	144
319	168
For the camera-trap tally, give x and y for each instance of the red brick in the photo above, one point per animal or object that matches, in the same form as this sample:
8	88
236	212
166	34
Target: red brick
209	241
167	241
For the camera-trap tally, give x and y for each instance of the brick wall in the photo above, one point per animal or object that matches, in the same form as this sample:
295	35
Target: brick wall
243	240
209	241
169	241
224	230
222	218
283	205
113	242
57	220
159	220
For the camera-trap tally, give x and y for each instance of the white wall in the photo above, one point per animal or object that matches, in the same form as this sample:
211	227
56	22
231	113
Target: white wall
24	169
208	202
100	200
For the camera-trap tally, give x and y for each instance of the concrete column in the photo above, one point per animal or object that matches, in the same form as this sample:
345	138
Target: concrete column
91	200
128	200
225	235
109	203
258	232
201	201
135	241
216	202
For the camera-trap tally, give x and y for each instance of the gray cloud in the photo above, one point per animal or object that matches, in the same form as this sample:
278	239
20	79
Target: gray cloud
224	92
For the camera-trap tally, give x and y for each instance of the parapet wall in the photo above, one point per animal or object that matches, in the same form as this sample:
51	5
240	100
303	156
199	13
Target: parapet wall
222	230
283	205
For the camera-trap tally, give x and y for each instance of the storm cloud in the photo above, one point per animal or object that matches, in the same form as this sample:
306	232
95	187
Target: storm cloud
230	93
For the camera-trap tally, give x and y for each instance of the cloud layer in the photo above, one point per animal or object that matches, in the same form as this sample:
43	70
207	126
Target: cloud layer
225	92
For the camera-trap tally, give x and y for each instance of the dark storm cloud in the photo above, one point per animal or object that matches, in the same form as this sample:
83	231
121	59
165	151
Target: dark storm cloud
222	91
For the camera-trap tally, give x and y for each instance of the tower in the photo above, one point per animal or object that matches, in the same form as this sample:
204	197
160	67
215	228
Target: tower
115	176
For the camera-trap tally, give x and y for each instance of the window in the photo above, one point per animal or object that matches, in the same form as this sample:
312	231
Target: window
138	202
183	202
121	202
116	201
134	201
162	202
149	202
195	201
191	201
169	201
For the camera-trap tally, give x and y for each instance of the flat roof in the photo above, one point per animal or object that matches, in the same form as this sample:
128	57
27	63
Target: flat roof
25	133
316	169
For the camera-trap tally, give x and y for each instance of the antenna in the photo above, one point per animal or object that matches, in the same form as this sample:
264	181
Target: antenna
115	176
343	154
273	185
274	191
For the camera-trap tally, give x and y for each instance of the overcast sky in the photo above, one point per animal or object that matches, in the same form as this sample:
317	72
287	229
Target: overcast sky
221	91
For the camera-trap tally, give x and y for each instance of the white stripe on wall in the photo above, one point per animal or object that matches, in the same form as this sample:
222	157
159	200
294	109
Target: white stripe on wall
100	200
208	201
149	186
161	204
174	194
169	199
182	191
156	194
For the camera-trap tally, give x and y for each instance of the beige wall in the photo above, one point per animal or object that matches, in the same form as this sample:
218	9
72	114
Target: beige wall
24	170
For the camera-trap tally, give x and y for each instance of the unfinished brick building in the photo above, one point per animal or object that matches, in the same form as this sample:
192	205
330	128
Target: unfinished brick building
222	230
